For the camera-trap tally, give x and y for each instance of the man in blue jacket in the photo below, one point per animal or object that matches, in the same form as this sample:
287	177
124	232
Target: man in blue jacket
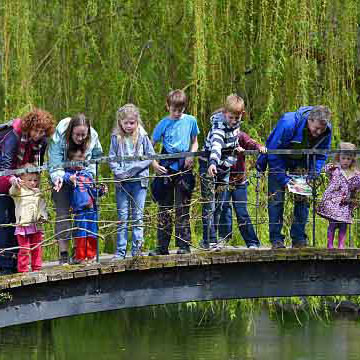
307	128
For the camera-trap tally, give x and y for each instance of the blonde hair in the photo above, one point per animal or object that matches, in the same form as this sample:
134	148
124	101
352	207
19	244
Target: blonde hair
234	104
122	113
347	146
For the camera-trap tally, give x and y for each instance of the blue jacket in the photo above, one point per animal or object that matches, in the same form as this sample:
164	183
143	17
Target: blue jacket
84	193
287	133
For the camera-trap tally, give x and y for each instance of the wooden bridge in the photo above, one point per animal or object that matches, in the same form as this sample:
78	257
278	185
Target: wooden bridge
232	273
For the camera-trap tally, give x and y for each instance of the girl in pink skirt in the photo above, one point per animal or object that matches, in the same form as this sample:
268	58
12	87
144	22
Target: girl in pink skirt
338	201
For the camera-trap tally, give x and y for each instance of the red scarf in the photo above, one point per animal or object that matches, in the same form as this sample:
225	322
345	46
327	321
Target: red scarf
28	151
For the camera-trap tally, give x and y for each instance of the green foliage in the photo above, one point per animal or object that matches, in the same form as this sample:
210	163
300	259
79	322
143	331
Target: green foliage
96	55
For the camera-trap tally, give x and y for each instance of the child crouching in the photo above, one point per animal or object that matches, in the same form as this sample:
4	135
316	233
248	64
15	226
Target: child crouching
30	210
83	204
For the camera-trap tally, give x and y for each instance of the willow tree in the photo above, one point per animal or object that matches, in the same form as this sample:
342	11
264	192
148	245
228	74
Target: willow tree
95	55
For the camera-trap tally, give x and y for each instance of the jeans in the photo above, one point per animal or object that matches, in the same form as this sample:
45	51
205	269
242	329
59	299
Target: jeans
176	196
276	193
238	195
213	192
7	237
130	196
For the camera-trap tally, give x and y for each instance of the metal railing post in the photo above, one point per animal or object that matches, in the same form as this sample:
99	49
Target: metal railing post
314	194
97	210
257	191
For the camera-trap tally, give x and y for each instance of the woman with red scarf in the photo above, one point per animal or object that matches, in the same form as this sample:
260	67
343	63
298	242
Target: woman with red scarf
22	140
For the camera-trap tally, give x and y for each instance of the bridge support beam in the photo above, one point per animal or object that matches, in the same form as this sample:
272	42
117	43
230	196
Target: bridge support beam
179	284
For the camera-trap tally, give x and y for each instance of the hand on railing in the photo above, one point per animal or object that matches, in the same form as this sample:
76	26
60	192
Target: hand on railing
189	163
16	181
58	184
263	149
160	170
212	171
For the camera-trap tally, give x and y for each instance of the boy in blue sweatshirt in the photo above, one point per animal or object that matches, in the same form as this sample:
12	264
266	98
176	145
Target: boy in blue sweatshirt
178	133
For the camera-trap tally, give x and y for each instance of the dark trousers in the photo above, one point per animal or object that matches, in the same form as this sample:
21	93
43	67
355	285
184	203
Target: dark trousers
8	259
63	218
276	193
175	200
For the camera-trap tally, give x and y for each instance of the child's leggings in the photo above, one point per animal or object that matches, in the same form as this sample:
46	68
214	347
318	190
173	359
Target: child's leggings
85	248
29	241
333	225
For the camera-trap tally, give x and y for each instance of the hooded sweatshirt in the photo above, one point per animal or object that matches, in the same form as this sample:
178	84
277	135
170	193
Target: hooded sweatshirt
139	169
221	141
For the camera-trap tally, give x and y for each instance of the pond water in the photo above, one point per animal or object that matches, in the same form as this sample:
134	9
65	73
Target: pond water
170	332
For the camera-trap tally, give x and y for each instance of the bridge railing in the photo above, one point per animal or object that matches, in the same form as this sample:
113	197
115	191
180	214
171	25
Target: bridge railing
257	201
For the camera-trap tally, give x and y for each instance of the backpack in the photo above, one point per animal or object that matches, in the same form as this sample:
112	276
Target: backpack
5	130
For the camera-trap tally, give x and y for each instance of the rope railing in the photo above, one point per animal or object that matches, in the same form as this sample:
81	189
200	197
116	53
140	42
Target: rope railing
111	226
108	159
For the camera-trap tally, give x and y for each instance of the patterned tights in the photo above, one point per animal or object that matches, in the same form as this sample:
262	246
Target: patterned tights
331	234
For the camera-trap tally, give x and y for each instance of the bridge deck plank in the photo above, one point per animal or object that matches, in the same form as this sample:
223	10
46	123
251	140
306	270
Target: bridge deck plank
199	258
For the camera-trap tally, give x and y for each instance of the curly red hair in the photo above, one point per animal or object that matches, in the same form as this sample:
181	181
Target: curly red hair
38	119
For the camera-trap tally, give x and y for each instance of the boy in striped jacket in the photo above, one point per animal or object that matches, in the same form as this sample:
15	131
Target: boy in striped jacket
221	142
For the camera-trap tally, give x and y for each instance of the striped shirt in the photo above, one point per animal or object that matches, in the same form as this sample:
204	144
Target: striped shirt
221	141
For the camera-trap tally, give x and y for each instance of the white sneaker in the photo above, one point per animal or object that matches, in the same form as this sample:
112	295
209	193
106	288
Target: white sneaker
117	257
216	246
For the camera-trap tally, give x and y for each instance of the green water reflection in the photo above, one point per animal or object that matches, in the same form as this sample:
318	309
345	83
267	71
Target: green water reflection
168	333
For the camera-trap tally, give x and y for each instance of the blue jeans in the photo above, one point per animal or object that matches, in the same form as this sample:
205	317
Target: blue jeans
130	196
213	195
238	195
276	193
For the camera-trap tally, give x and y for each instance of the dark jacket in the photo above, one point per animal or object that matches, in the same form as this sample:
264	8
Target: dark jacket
238	171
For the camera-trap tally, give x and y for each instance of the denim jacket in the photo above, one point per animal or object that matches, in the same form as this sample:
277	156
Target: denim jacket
139	169
58	150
